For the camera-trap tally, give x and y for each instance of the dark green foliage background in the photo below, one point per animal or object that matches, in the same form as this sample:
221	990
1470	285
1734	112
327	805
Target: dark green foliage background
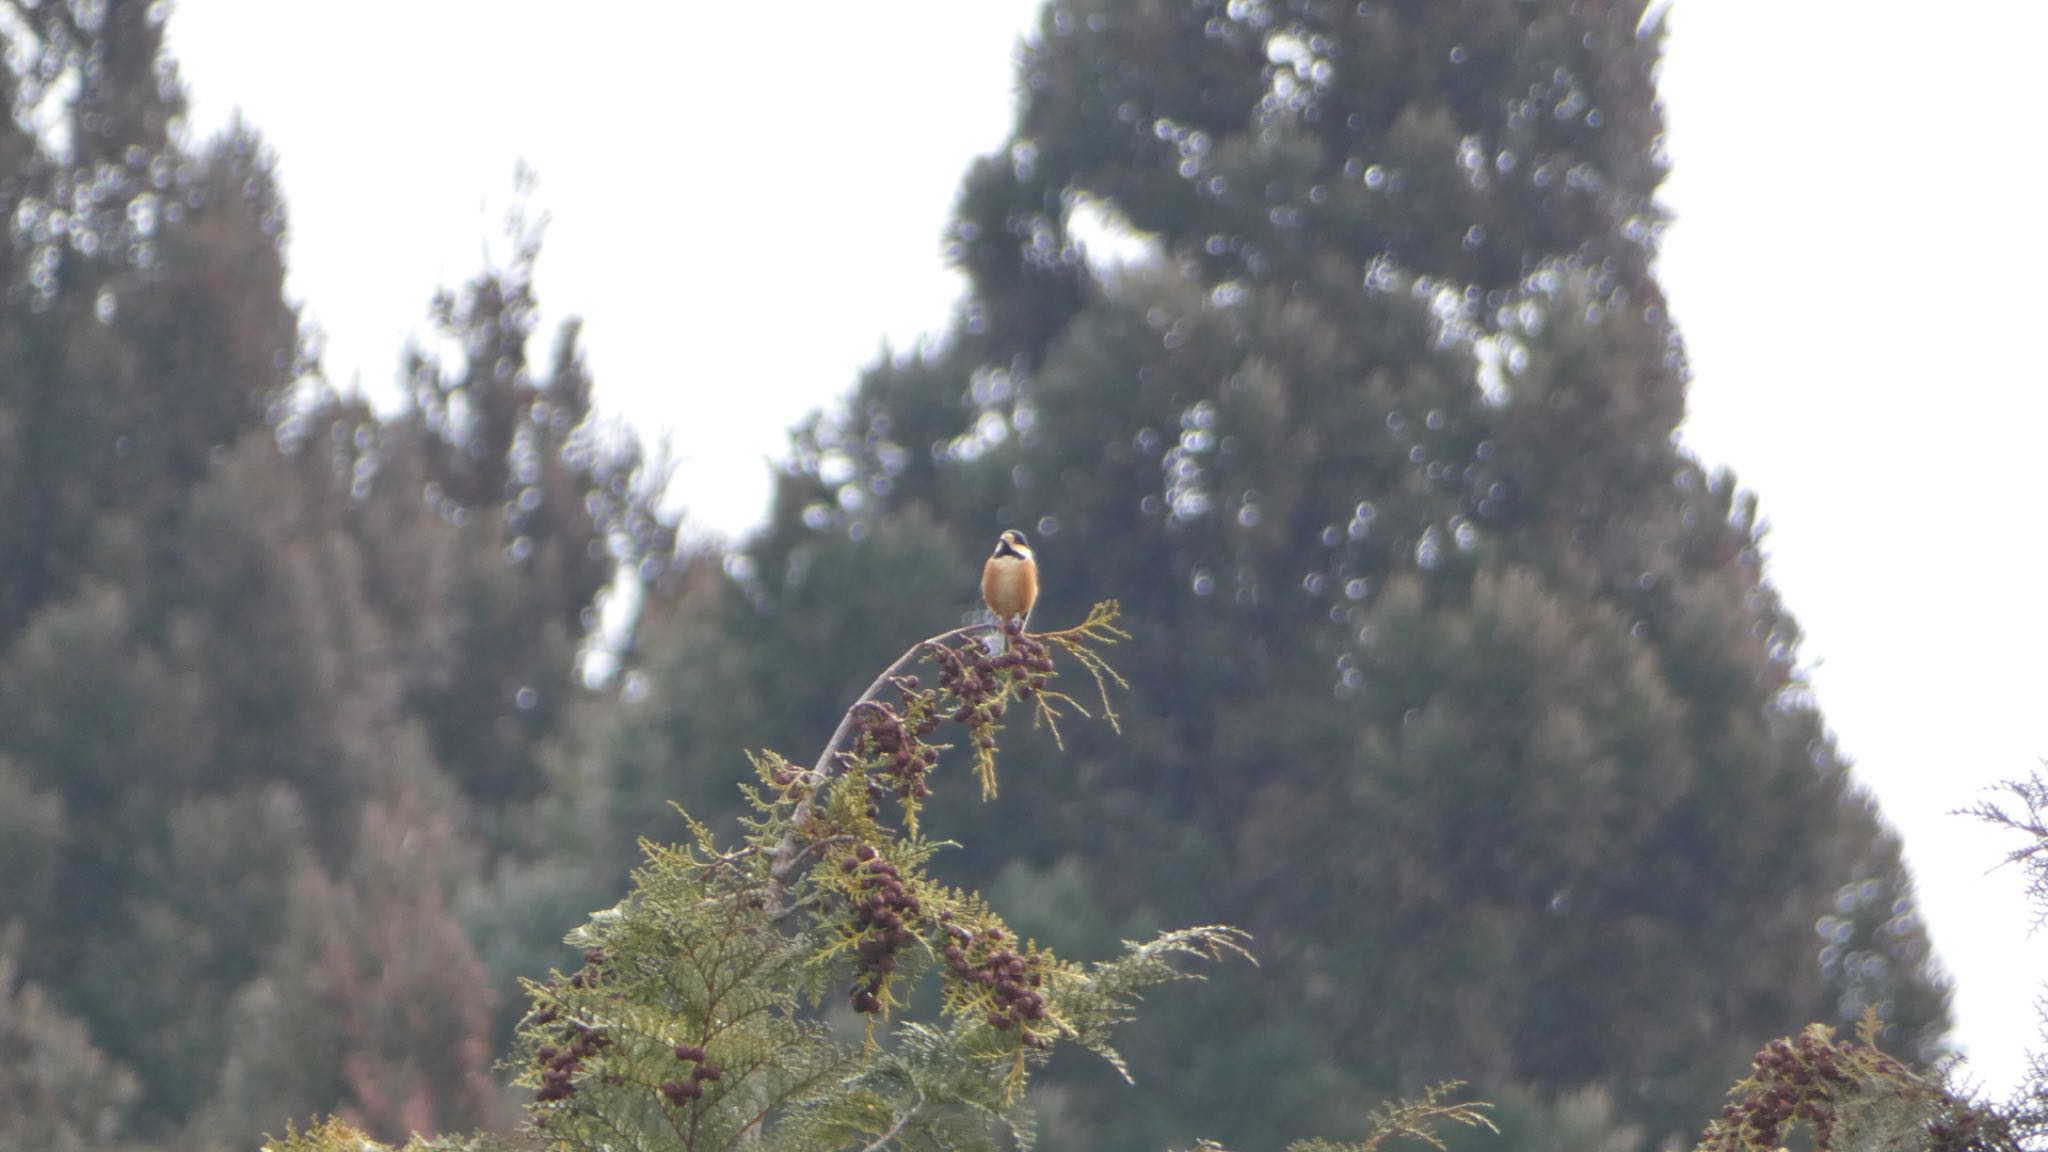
1456	682
1453	679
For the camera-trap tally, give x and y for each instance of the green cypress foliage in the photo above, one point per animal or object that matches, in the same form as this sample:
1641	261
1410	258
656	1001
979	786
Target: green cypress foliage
694	1021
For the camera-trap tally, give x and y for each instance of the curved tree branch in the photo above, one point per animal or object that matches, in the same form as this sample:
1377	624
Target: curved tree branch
790	851
882	1141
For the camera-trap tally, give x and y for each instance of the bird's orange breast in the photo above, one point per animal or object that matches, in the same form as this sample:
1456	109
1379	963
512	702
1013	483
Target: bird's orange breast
1009	585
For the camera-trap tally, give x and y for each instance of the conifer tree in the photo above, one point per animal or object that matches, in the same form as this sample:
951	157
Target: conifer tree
69	1096
145	335
1459	684
144	312
548	504
258	640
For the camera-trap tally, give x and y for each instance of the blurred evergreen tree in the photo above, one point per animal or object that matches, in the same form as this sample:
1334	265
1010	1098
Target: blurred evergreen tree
1457	681
547	502
145	334
144	321
274	667
67	1097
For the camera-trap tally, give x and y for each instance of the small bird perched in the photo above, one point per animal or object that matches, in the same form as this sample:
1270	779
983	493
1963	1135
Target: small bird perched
1009	581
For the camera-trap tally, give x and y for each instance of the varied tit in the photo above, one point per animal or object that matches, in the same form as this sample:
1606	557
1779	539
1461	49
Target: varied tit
1009	581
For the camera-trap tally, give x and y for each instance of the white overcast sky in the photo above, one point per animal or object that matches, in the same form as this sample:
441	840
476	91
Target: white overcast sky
1854	266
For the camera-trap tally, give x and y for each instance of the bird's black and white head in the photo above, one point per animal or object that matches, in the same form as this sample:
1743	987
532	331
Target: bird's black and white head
1012	543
